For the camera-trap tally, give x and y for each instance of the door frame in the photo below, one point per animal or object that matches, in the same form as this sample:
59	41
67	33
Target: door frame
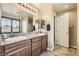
54	31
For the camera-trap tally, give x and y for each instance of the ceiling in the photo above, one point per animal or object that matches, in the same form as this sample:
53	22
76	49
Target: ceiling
60	7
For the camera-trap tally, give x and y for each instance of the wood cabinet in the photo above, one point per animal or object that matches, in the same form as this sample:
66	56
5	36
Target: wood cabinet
36	46
2	51
37	52
28	47
44	41
25	51
22	48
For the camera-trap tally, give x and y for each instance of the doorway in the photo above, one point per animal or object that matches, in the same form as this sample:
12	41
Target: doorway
61	30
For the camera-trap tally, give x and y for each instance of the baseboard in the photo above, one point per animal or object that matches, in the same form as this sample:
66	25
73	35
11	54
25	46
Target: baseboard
50	49
73	46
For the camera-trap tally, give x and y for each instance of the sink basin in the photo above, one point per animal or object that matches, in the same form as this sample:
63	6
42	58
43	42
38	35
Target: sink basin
40	34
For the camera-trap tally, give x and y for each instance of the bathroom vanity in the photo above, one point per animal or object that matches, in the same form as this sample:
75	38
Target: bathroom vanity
30	45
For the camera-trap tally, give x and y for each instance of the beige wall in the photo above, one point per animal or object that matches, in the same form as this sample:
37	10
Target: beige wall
47	13
25	25
78	29
73	28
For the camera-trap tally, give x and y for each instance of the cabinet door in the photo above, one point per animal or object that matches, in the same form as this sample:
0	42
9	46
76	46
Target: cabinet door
44	44
1	50
26	51
22	52
22	48
36	46
36	52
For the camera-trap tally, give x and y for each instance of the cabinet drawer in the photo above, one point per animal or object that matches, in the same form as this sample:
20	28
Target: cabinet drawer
25	51
1	50
36	52
36	39
24	42
18	45
36	45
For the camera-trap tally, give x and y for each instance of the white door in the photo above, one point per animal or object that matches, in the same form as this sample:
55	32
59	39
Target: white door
62	30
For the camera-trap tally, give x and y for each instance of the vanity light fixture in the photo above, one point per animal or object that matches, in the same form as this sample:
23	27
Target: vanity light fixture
28	7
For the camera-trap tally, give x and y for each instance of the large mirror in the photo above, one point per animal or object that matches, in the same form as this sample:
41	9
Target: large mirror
6	25
15	26
40	24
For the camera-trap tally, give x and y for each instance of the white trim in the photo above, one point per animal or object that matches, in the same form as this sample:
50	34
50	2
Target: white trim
50	49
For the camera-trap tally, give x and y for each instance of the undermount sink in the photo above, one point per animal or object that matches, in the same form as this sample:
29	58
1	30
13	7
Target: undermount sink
40	34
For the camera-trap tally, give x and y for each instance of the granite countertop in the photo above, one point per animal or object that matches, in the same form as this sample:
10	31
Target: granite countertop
19	38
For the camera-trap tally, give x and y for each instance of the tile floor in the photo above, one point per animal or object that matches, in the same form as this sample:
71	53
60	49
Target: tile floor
60	51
